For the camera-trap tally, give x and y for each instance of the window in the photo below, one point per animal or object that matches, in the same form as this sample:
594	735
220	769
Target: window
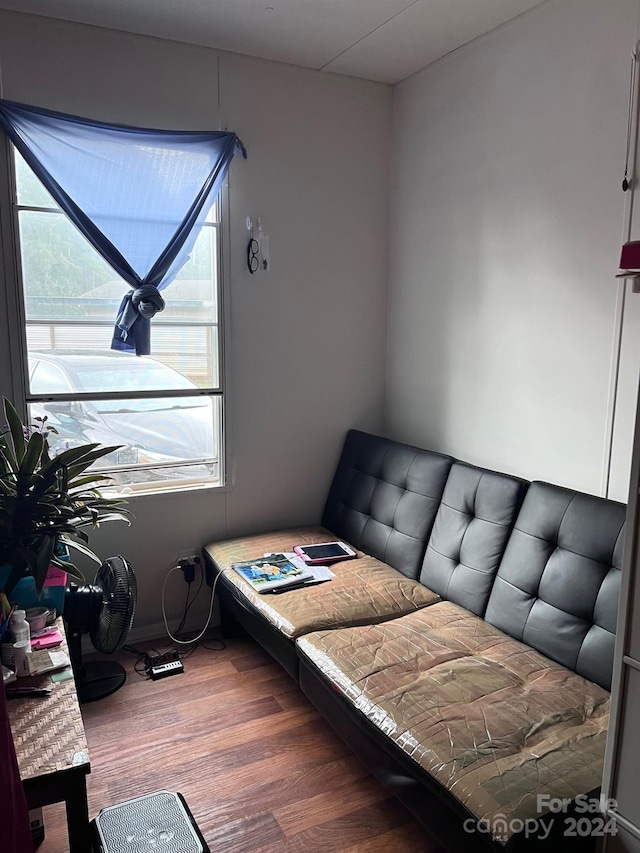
163	411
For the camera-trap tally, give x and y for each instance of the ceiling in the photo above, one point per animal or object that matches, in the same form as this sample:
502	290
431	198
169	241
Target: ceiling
384	40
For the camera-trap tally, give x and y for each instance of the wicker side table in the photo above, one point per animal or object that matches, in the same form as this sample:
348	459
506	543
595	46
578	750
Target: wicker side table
51	748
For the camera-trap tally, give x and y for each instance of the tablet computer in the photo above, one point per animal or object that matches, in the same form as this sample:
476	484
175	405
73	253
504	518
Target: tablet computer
325	552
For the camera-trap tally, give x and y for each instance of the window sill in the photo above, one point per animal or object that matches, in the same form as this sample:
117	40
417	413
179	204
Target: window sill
130	494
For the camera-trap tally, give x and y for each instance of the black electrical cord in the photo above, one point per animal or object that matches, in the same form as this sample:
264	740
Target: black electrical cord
220	647
147	659
189	604
186	608
143	662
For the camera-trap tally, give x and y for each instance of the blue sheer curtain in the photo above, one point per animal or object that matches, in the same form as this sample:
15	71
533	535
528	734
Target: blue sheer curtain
138	195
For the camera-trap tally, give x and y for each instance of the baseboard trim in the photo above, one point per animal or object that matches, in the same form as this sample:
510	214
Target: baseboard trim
146	633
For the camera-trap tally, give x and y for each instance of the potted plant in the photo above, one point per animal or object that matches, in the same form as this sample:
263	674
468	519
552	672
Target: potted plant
47	501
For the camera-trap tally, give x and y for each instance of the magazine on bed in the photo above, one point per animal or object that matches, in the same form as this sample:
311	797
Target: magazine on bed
274	572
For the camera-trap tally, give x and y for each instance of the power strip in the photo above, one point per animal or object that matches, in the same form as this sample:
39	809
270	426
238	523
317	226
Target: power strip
162	670
165	657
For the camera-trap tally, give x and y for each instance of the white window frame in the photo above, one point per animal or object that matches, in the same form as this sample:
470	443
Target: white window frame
20	394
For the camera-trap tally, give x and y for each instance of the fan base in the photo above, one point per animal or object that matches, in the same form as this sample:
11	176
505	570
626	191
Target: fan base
98	679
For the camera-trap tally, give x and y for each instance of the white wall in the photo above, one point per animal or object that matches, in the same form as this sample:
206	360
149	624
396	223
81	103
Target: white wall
506	222
307	341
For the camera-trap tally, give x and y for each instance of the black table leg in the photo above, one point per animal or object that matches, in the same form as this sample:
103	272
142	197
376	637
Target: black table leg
78	815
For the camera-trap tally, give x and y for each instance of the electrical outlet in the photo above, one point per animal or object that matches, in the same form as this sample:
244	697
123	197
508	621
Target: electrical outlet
187	561
188	556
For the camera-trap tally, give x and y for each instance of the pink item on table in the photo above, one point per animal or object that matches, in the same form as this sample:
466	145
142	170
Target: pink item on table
47	640
55	577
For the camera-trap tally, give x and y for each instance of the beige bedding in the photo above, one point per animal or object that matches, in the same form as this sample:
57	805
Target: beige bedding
363	590
491	719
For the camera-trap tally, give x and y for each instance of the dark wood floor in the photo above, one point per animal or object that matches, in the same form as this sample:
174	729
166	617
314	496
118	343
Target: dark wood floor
260	769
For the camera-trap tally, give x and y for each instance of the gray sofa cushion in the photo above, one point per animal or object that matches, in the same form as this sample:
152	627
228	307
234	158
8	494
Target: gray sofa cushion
470	534
558	584
384	498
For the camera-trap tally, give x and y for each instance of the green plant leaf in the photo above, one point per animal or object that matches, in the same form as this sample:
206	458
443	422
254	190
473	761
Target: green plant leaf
8	454
91	457
68	567
25	557
67	457
5	488
72	543
114	516
43	560
44	499
17	430
15	575
63	482
31	457
90	478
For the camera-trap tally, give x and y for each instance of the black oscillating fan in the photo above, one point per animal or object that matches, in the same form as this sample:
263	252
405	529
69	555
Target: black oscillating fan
104	610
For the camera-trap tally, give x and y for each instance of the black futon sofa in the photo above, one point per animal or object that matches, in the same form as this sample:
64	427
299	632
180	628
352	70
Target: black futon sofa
466	654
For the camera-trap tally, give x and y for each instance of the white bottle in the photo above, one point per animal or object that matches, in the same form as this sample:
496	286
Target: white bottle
20	627
21	658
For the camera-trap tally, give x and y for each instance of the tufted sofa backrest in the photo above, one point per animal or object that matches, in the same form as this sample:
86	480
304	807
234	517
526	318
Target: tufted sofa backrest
384	498
470	534
558	584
